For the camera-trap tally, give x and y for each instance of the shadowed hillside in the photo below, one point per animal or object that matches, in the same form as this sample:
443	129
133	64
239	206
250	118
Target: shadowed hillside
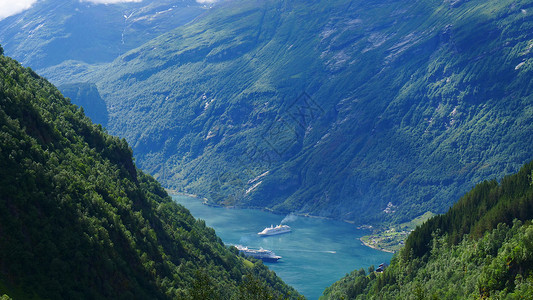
79	221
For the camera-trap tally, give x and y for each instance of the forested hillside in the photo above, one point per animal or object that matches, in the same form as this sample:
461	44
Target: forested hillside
337	108
79	221
482	248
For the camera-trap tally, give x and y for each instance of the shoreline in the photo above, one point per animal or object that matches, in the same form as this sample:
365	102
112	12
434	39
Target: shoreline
374	247
206	202
174	192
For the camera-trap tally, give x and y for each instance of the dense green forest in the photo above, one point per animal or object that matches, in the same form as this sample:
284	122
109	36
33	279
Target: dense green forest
482	248
79	221
333	107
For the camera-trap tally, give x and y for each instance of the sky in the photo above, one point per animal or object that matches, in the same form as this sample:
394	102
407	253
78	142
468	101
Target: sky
11	7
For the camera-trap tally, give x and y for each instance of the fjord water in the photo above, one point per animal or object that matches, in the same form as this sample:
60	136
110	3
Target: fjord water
315	254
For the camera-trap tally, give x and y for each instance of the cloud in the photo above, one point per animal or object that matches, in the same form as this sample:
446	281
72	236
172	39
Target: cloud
108	1
12	7
206	1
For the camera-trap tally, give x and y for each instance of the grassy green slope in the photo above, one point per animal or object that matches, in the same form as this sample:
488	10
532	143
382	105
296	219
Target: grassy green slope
482	248
78	220
334	108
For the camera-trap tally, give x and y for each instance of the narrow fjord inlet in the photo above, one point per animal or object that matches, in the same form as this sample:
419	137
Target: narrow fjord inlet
314	255
314	133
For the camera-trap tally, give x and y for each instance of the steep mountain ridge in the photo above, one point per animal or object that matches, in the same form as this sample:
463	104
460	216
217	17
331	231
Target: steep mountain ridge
333	108
51	32
79	221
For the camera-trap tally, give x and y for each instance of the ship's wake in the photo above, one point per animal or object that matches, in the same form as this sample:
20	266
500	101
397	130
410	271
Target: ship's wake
305	250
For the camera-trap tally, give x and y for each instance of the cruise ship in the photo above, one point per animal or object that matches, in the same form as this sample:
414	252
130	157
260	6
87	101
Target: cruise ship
275	230
262	254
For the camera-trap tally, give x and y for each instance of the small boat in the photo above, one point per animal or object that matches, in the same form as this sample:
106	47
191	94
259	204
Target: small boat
262	254
275	230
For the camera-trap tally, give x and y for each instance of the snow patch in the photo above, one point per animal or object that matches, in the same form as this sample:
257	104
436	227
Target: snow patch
519	65
253	187
206	105
258	177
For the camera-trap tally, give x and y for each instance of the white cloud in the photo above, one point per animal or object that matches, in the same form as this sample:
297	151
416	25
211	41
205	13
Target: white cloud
108	1
11	7
206	1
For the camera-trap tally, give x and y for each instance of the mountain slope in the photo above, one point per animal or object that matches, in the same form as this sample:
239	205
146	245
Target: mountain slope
51	32
333	108
78	220
493	260
86	95
483	208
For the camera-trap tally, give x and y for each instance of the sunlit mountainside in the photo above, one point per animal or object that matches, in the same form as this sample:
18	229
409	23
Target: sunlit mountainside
395	114
52	31
357	110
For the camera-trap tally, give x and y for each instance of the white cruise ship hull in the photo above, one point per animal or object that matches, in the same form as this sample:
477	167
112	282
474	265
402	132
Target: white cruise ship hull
280	229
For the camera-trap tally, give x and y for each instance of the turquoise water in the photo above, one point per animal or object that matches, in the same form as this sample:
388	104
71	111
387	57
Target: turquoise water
315	254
